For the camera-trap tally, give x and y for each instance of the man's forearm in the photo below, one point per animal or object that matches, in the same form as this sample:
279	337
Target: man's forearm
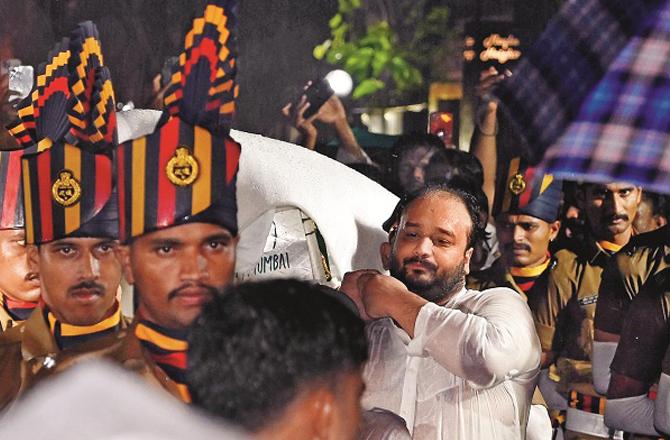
404	308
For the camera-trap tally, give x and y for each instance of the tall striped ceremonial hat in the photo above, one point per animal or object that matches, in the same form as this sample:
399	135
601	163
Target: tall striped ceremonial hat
186	170
68	188
524	190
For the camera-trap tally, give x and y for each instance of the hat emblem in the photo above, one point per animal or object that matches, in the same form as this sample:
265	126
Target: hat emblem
182	169
517	185
66	190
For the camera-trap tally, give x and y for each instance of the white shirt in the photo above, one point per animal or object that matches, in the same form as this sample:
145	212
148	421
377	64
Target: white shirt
469	373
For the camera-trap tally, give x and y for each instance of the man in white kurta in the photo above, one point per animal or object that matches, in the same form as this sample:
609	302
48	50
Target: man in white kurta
454	363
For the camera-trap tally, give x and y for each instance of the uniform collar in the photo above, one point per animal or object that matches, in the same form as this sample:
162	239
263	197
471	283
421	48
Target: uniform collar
133	356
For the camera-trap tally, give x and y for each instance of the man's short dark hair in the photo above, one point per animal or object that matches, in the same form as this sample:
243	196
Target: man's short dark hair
478	229
254	348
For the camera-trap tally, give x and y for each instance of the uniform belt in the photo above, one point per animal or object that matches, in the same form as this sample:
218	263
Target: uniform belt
585	402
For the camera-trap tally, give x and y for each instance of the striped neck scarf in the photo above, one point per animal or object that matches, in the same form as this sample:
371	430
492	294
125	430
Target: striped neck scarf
18	310
525	277
68	335
609	247
167	348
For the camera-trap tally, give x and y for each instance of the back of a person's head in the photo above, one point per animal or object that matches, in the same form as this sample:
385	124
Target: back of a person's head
414	140
256	348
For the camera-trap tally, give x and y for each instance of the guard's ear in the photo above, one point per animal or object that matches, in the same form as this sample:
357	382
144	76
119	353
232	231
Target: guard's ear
466	260
321	408
385	253
122	253
554	227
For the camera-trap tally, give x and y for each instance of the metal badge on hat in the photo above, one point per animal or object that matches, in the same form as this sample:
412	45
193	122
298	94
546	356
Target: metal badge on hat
517	184
68	181
66	190
182	169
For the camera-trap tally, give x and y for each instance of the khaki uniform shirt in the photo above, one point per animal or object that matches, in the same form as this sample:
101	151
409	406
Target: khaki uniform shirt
570	310
29	353
6	321
626	272
543	298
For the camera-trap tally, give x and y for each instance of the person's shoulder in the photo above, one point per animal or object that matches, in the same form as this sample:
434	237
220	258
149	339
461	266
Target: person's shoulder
567	265
12	336
495	295
566	256
656	238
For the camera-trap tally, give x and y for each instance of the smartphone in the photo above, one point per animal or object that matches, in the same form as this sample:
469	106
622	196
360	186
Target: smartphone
317	93
20	82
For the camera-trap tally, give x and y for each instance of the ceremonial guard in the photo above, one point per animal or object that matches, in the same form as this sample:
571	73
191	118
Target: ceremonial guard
19	285
177	204
71	224
609	211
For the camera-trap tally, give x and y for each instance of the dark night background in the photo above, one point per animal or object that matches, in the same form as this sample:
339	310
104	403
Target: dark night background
276	40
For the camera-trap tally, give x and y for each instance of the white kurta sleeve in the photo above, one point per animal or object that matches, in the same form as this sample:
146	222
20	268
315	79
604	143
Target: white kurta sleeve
662	405
631	414
603	354
485	341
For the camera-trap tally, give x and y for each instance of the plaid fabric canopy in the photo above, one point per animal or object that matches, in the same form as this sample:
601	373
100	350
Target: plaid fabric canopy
592	95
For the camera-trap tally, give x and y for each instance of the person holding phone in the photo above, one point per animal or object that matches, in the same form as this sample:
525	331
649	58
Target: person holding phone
304	112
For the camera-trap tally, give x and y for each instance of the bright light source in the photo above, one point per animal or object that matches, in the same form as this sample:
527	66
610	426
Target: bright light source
340	81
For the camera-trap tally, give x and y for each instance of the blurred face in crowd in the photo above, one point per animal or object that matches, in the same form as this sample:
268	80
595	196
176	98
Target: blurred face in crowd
79	278
411	167
430	252
524	239
645	219
176	270
17	281
610	209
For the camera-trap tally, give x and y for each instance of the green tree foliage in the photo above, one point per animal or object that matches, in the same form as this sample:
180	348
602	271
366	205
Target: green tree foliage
374	56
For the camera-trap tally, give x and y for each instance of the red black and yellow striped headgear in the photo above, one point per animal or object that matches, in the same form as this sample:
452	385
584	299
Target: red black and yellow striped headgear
186	170
523	190
68	188
11	193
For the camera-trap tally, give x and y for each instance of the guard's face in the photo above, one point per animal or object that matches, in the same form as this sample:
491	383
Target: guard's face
430	253
17	281
525	239
79	278
610	209
645	219
176	270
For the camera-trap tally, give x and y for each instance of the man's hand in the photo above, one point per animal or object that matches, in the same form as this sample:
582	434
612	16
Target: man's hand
350	287
378	292
306	126
377	296
331	111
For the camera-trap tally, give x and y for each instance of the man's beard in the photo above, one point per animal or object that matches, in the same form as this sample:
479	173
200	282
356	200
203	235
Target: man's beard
437	288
